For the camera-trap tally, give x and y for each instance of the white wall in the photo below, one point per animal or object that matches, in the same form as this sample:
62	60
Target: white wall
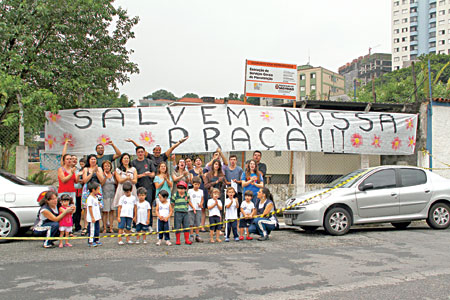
441	139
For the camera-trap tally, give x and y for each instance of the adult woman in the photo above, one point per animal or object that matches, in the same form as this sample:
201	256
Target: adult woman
162	179
252	179
67	177
125	172
189	165
198	170
46	223
215	178
266	220
109	191
180	174
91	173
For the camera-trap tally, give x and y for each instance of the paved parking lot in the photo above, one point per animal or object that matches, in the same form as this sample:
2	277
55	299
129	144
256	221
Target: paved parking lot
369	263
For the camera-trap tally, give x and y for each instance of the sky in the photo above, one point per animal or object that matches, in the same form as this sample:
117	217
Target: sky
200	46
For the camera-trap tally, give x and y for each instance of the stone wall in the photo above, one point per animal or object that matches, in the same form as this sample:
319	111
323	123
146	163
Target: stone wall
282	192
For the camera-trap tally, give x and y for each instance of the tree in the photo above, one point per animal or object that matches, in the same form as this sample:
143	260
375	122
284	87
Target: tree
60	54
190	95
161	94
233	96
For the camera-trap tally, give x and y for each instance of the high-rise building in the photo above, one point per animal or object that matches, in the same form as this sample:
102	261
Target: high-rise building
419	27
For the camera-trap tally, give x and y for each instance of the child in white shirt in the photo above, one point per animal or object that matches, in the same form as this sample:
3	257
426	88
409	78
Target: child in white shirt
143	214
195	208
126	212
163	212
231	214
214	208
248	211
93	215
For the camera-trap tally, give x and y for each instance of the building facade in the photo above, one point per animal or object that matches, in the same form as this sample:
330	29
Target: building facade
419	27
318	83
361	70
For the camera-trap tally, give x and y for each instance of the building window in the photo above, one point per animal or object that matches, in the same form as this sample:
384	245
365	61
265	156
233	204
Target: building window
412	48
441	32
313	75
396	3
442	2
396	22
413	57
412	1
433	5
397	68
433	25
442	12
405	20
441	22
413	10
432	44
302	77
405	48
404	57
396	31
396	58
302	89
413	19
432	34
313	87
404	1
413	28
405	29
413	38
404	39
442	42
441	52
396	41
432	15
396	12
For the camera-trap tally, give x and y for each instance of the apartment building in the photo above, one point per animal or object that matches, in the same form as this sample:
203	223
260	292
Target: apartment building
318	83
419	27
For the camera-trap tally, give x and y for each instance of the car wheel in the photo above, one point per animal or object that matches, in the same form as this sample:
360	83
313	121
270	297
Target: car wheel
8	225
337	221
439	216
401	225
309	228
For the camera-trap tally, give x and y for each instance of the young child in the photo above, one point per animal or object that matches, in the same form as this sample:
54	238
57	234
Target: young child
248	211
163	212
231	214
195	208
143	214
93	214
214	208
180	202
66	223
126	212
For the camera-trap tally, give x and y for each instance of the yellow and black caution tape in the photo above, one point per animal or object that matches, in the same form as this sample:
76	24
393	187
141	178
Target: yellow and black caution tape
189	228
425	152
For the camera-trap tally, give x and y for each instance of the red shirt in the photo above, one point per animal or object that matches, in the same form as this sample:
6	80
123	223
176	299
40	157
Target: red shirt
67	187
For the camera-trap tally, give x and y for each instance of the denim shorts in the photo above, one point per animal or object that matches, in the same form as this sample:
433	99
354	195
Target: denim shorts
214	220
125	223
141	227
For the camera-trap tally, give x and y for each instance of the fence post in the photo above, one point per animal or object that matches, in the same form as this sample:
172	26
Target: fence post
299	165
21	150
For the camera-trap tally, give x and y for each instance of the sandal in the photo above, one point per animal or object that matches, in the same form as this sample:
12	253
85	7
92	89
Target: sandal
111	229
104	230
84	231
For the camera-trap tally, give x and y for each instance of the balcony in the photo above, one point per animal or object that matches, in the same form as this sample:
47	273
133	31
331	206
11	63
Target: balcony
413	43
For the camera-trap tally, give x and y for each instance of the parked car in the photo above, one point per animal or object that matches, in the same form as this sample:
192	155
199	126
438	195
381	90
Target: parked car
19	203
395	194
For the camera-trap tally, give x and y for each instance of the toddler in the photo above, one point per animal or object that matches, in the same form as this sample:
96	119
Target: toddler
66	223
214	208
93	214
163	212
126	212
231	214
248	211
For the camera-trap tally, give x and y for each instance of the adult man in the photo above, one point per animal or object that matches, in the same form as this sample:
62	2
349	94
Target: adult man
156	157
233	174
261	166
146	172
101	157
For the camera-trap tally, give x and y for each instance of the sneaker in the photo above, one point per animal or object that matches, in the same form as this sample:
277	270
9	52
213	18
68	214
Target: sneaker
249	238
236	239
49	246
150	229
241	237
99	244
144	242
133	230
263	238
121	243
227	240
168	243
137	242
93	245
130	242
158	243
198	239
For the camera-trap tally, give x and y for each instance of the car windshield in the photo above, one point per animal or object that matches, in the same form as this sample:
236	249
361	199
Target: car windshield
344	178
14	178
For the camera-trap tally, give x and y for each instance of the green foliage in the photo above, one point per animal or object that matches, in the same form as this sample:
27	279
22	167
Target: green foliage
61	54
161	94
41	177
397	86
190	95
233	96
253	100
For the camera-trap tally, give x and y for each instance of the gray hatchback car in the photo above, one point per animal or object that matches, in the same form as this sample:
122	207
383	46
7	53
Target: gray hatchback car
395	194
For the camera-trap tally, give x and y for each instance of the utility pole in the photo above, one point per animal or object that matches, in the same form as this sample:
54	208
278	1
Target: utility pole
416	97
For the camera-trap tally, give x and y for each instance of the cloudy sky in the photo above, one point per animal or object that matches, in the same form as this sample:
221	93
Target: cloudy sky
200	46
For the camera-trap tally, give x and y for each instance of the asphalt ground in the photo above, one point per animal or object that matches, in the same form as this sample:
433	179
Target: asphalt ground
368	263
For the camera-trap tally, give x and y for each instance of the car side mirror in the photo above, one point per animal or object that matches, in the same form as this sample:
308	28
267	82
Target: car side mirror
366	186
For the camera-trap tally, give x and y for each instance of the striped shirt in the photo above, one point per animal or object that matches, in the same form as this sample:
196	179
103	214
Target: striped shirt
180	203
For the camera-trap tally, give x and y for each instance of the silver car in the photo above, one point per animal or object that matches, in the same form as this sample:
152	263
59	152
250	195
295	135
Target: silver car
19	203
395	194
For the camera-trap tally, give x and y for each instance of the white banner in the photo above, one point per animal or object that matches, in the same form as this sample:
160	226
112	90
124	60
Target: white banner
271	80
232	128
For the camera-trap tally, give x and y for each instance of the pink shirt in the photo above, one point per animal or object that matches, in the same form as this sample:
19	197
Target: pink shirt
66	221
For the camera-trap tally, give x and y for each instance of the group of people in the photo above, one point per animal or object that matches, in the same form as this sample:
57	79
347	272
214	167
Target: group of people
137	190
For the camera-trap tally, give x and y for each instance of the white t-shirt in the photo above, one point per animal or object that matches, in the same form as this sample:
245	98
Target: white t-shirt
196	198
231	212
247	207
215	210
127	204
164	209
142	212
93	201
